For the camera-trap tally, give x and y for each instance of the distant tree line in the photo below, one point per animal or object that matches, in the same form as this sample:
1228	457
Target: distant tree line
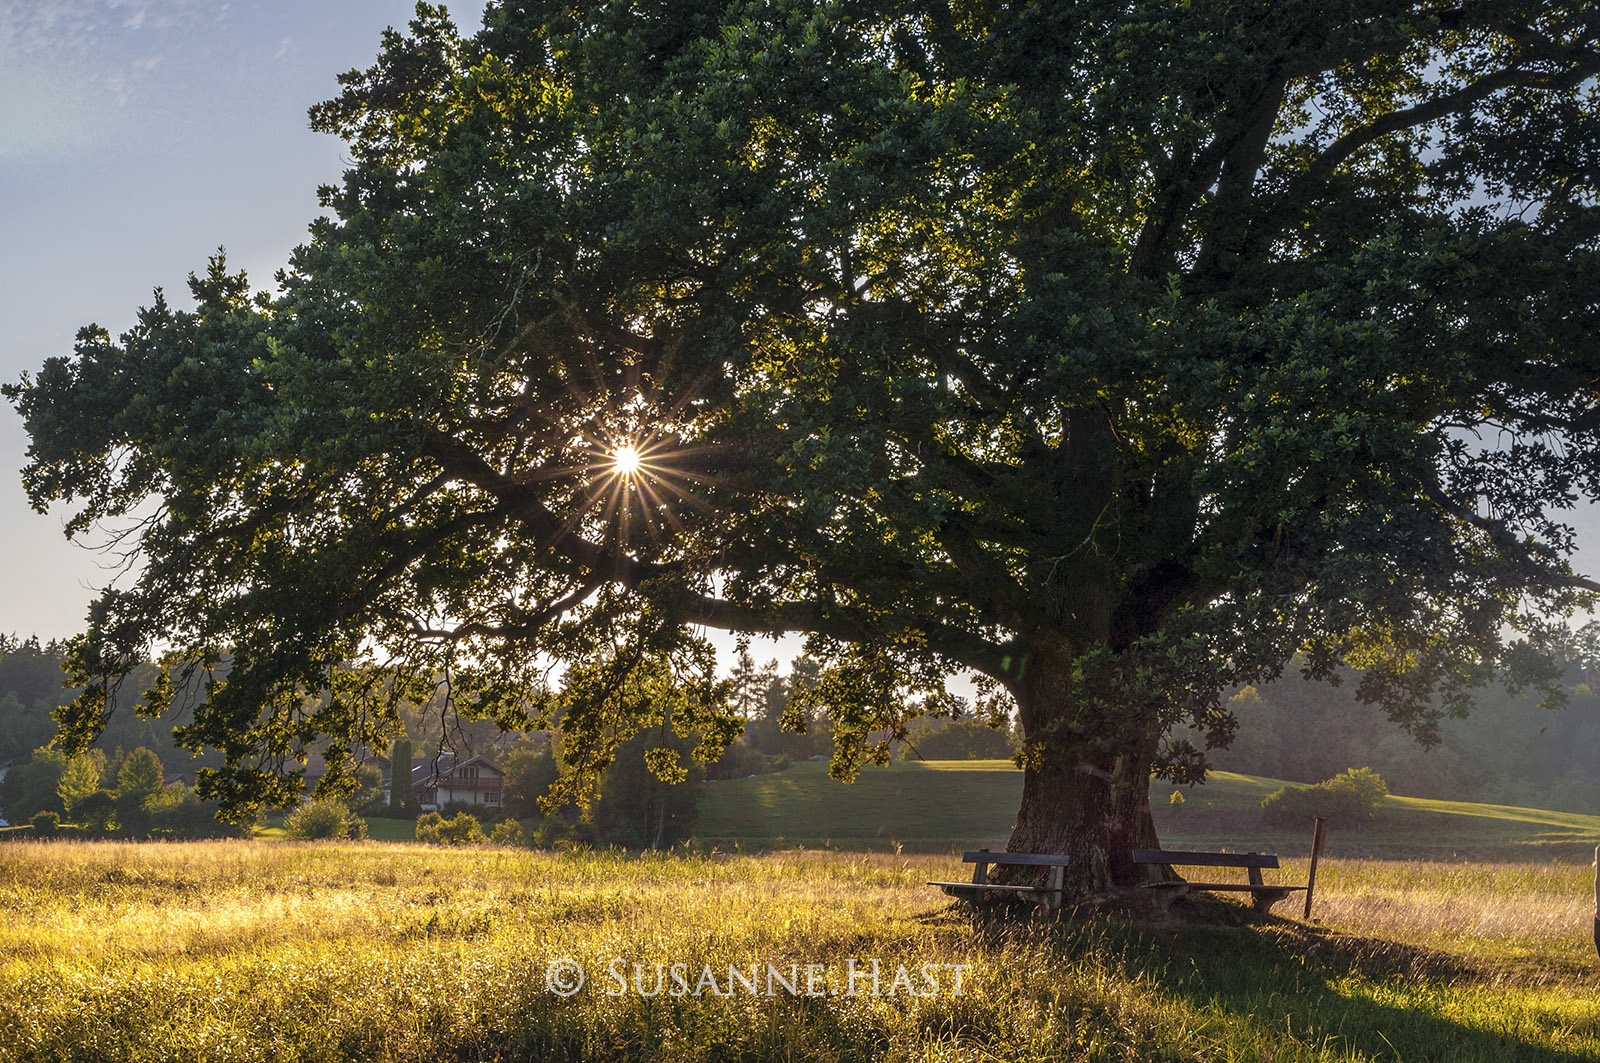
1507	750
31	679
124	795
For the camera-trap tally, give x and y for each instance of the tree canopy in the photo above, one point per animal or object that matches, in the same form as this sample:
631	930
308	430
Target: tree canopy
1116	352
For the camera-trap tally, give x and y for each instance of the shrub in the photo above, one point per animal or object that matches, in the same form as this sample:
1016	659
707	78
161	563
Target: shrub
190	817
45	824
428	825
1348	800
324	818
456	808
552	832
507	832
1366	787
97	812
463	829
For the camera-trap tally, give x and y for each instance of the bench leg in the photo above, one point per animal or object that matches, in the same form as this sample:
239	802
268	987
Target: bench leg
1056	883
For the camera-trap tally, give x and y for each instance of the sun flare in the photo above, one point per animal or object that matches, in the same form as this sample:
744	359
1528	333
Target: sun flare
625	460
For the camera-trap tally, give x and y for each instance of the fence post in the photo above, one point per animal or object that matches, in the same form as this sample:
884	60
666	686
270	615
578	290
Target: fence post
1317	834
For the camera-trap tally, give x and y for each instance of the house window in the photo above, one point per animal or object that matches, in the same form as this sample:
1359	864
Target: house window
492	797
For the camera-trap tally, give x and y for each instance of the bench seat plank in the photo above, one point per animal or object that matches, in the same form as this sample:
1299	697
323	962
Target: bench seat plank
1188	859
984	856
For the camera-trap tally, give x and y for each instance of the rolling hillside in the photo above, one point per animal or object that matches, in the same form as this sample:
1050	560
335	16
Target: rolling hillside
940	806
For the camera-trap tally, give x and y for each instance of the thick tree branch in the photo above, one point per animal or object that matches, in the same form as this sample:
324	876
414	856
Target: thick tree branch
1513	549
1449	104
616	566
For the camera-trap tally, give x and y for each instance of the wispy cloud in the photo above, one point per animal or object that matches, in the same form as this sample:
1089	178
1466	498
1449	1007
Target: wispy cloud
65	26
80	64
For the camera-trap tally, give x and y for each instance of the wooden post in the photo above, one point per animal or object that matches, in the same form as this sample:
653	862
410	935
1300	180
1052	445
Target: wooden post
1317	834
1597	898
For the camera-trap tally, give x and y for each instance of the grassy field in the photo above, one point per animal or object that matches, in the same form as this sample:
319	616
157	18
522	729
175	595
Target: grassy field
380	951
945	806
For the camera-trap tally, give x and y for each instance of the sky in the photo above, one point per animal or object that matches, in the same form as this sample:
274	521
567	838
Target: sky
136	136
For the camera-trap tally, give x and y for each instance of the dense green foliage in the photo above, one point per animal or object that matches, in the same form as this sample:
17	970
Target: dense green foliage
1118	352
124	795
964	739
508	832
399	775
323	819
33	683
34	785
461	829
1350	800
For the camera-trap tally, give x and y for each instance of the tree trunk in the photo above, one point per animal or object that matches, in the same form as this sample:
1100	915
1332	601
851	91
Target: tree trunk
1097	813
1089	799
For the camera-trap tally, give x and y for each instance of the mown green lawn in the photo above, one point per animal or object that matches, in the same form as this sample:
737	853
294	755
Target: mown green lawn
944	806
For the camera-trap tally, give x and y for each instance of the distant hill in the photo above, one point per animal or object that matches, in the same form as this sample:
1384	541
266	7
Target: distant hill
941	806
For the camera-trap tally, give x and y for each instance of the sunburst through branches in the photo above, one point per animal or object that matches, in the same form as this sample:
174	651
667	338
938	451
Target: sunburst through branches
625	461
638	485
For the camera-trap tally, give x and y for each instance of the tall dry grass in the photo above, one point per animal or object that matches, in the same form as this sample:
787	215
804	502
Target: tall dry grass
240	950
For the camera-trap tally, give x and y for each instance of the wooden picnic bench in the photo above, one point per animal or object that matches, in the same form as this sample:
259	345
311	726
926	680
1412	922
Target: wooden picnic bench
980	888
1263	895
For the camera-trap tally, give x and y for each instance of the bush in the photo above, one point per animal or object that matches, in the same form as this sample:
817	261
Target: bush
1349	800
322	819
1366	787
428	825
552	832
507	832
464	829
97	812
190	817
45	824
476	811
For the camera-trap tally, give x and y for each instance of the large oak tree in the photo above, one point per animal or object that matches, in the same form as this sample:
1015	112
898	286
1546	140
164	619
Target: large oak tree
1116	352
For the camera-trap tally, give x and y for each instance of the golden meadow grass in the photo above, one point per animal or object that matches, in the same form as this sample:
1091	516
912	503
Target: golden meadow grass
262	950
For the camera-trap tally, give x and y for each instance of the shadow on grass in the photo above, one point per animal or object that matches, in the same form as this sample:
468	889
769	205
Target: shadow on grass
1380	998
1269	979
